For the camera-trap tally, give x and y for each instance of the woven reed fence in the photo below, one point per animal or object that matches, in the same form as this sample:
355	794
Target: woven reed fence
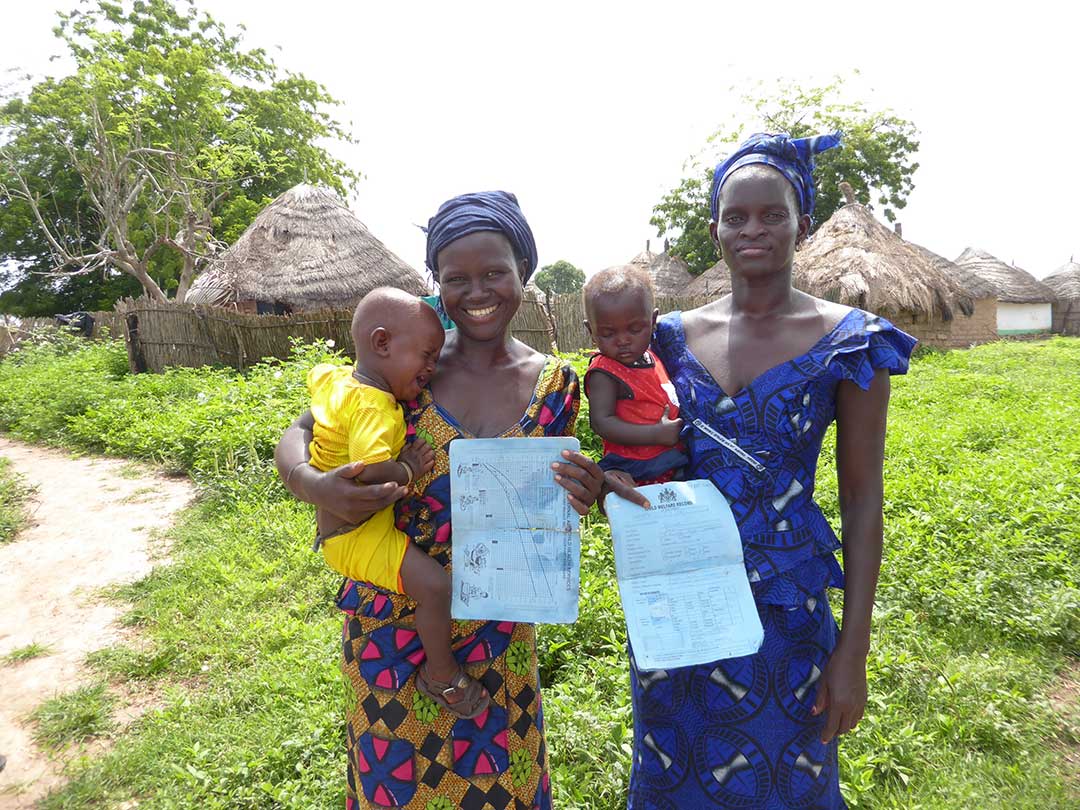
568	314
108	324
162	334
168	334
15	329
1067	316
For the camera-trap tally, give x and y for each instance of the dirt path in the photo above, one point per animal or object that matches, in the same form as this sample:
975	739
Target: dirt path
1065	698
93	522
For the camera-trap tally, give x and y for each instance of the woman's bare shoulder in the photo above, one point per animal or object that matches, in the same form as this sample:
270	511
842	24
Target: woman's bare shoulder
528	359
713	315
829	311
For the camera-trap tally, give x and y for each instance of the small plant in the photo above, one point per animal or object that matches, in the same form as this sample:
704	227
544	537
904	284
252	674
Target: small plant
14	493
32	650
74	717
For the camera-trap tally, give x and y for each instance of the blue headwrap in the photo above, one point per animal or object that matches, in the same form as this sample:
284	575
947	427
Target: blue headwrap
792	157
483	211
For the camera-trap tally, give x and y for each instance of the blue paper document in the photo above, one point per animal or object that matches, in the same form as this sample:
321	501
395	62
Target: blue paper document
517	541
681	576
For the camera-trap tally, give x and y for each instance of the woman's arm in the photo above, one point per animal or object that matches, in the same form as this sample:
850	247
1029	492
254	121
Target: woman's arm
860	453
603	397
334	490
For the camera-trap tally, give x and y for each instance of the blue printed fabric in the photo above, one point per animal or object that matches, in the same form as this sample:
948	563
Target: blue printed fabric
646	469
738	733
481	211
792	157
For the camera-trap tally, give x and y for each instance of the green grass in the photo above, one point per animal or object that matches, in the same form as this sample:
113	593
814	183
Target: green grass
32	650
132	471
978	608
14	493
73	717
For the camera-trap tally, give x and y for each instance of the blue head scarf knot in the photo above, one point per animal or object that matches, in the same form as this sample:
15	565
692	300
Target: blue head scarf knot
792	157
482	211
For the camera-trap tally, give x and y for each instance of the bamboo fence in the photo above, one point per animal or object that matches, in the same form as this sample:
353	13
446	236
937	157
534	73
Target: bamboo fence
568	315
169	334
159	335
15	329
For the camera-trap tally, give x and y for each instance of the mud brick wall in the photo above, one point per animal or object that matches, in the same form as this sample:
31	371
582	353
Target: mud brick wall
962	331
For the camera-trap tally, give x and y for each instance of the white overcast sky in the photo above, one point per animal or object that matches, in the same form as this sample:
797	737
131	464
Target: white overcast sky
587	110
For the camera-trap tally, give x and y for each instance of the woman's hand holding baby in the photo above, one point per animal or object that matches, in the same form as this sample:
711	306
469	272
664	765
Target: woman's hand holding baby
337	492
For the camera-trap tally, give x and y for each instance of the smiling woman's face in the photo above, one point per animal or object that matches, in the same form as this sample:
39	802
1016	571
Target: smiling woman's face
480	284
759	223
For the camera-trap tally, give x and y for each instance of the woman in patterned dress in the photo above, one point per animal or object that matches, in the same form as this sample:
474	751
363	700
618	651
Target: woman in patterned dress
403	750
770	368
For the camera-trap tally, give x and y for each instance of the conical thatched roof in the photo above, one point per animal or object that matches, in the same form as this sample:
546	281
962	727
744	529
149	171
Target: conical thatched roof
855	260
670	274
1011	284
972	284
308	250
714	282
1065	281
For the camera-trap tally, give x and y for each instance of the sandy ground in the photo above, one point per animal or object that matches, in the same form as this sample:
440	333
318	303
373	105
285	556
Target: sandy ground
93	523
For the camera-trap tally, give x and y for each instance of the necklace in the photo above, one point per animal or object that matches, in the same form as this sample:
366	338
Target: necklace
359	376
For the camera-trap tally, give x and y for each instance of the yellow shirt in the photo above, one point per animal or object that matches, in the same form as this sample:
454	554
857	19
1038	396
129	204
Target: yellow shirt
355	422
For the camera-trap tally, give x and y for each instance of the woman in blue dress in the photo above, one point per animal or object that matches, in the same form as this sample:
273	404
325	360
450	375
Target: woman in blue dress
768	368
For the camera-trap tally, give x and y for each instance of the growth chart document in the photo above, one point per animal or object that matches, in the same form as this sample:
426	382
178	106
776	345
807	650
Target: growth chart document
517	541
681	577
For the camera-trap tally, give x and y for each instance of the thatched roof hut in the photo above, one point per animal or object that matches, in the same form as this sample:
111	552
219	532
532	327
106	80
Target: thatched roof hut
979	325
713	283
670	274
1065	282
1024	303
853	259
306	250
1010	283
972	284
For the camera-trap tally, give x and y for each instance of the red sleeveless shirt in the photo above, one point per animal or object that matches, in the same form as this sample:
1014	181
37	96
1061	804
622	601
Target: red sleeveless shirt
650	392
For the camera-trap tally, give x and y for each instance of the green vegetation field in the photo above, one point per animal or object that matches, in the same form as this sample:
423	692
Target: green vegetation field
979	604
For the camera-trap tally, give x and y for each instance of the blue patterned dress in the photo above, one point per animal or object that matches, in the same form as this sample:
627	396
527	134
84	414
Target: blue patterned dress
738	733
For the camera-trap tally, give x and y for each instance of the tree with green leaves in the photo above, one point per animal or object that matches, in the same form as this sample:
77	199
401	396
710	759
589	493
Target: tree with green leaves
560	277
136	170
876	158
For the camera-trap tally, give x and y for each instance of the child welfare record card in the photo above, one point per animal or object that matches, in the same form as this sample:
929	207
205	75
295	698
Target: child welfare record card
681	577
517	541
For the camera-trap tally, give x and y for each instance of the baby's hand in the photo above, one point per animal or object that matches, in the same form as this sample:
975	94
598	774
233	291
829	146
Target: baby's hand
419	456
669	428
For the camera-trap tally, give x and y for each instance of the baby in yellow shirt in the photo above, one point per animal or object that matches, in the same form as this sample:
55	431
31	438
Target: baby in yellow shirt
357	418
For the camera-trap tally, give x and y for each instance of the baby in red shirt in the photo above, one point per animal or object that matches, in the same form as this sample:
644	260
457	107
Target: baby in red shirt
632	404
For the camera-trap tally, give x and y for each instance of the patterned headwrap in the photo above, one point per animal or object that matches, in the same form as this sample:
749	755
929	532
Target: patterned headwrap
792	157
483	211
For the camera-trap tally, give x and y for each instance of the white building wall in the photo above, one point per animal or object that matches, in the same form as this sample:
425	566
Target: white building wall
1013	319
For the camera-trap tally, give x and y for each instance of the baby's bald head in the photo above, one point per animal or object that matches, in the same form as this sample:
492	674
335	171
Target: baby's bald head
398	339
395	311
